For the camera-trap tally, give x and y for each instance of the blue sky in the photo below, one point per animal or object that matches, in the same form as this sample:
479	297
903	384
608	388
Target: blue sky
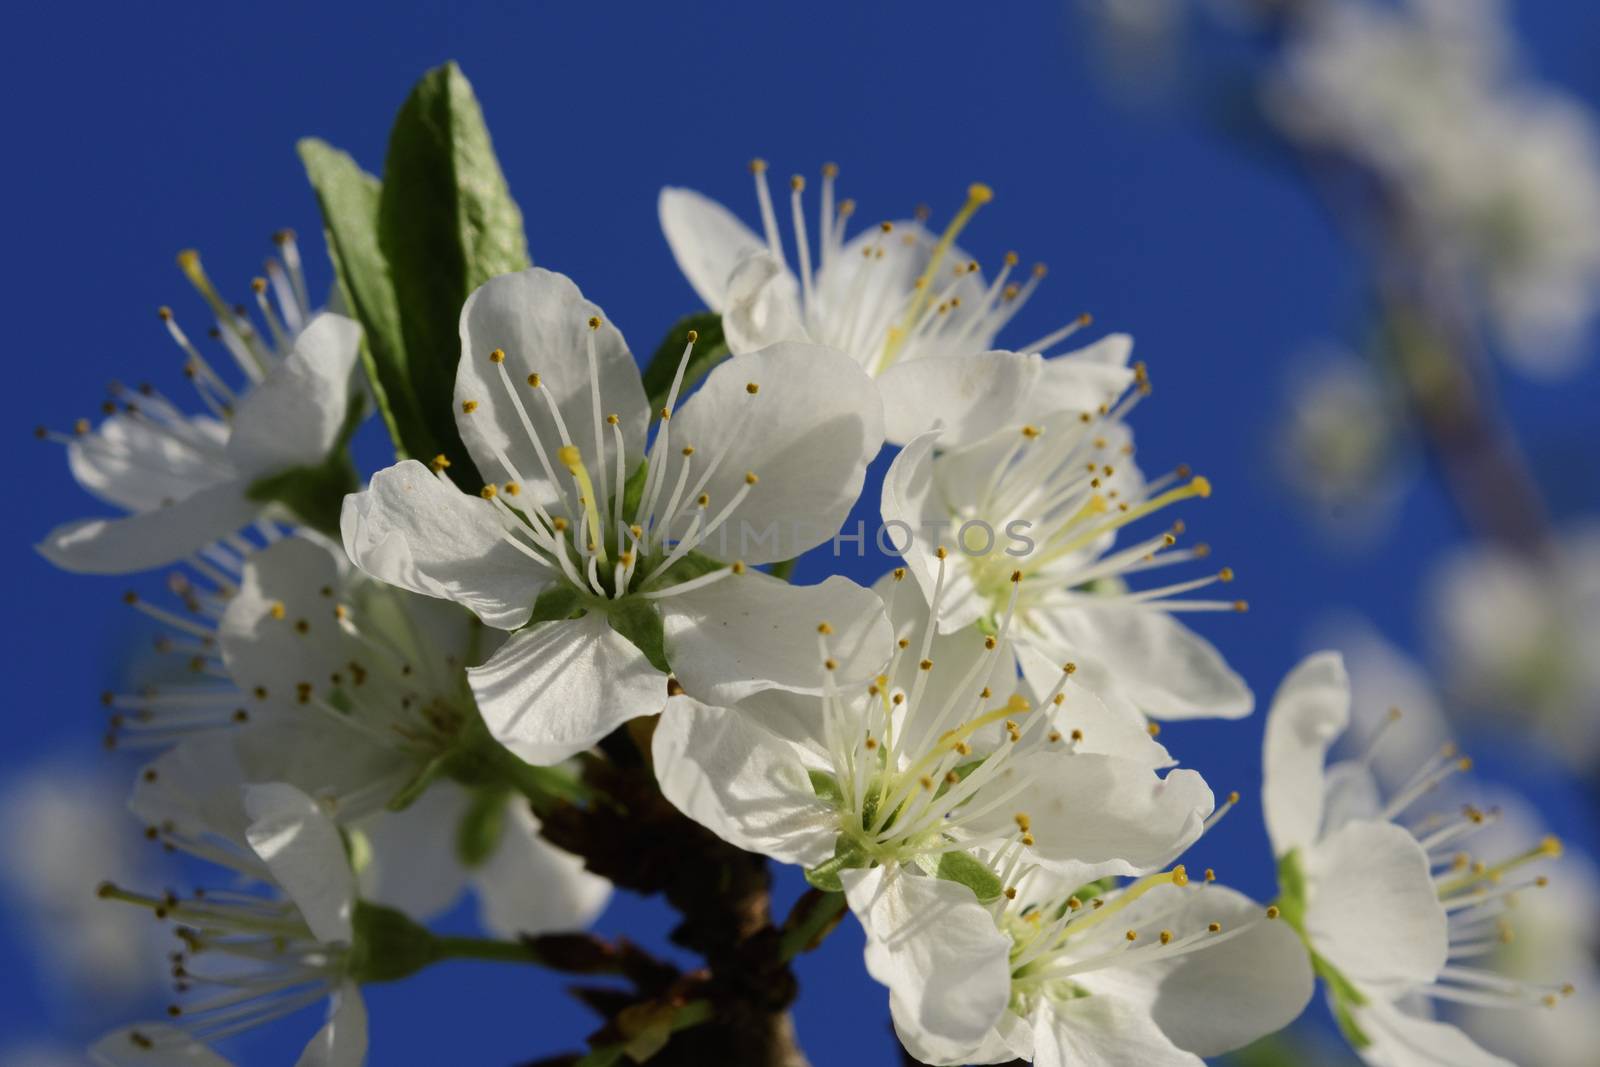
137	132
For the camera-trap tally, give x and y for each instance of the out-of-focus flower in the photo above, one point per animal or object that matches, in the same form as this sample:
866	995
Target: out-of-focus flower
64	832
253	958
1498	176
1398	915
1552	931
186	480
910	307
1047	502
1343	446
1518	634
771	450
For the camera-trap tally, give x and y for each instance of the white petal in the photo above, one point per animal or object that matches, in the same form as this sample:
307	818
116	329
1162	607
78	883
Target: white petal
1112	350
412	530
541	321
557	688
1076	383
1108	720
306	855
413	864
1214	999
706	239
1402	1040
1309	712
917	521
1372	909
132	463
293	417
300	642
749	632
1350	792
150	539
742	782
938	950
1165	668
152	1045
762	306
808	433
194	786
529	886
969	396
1101	815
342	1041
1102	1031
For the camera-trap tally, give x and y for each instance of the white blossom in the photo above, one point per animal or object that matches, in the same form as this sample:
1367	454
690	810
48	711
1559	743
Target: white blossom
1394	909
185	480
910	307
771	450
1048	501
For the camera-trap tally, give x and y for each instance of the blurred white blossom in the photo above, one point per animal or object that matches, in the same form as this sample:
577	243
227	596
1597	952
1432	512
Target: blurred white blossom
1496	177
1518	634
65	832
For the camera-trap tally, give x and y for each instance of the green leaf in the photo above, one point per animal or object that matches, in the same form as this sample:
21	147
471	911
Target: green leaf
847	854
709	349
975	875
556	602
633	489
640	623
446	225
478	835
348	197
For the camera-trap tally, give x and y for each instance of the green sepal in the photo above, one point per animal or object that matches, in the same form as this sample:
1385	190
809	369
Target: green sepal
348	197
975	875
640	622
847	855
388	945
446	225
407	794
479	832
825	786
709	350
1291	904
557	602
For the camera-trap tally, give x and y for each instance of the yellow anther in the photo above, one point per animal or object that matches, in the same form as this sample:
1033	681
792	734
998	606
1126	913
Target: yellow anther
703	500
1132	935
926	665
824	628
692	336
1030	431
511	489
439	463
1215	928
831	664
750	478
758	166
1166	937
1069	668
497	356
1023	822
277	610
1153	729
797	183
1225	574
1180	876
688	450
752	388
989	643
534	380
1200	485
488	492
612	420
469	406
830	170
594	322
1273	912
737	567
